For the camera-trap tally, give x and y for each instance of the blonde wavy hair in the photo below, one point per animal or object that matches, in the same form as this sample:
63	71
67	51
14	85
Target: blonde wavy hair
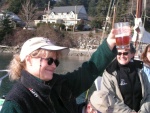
16	66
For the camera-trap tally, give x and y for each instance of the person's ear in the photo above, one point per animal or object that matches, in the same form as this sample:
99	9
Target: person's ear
132	55
28	61
89	108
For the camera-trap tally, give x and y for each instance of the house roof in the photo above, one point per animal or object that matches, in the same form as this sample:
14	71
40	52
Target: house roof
67	9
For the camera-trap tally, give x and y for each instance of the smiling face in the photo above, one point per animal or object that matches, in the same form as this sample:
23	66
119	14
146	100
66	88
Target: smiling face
38	65
124	56
46	70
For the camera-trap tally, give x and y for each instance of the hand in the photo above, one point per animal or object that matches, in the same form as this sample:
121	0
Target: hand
111	39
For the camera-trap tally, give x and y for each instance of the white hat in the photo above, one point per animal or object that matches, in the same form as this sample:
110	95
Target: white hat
38	42
103	101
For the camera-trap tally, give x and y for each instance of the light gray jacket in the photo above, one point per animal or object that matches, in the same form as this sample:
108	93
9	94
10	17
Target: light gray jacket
109	84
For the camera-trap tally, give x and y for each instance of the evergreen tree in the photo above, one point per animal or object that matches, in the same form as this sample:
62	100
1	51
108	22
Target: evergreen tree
15	6
64	3
102	7
91	9
121	10
6	26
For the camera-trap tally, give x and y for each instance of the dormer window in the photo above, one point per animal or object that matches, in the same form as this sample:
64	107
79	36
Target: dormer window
64	15
52	15
72	15
44	17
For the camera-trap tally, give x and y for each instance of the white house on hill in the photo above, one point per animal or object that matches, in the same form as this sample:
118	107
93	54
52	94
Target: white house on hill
68	15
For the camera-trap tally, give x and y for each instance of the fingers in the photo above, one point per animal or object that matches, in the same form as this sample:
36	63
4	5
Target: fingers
111	39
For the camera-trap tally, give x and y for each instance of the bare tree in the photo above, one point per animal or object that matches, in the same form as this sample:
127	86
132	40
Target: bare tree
28	11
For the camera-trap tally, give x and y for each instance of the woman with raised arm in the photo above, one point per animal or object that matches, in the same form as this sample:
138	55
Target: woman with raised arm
39	89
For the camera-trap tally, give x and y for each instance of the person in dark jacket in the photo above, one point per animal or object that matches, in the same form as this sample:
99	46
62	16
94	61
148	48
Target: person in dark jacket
39	89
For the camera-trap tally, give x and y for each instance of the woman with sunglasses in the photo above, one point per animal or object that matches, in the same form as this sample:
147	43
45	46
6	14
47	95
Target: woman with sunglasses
146	60
125	79
39	89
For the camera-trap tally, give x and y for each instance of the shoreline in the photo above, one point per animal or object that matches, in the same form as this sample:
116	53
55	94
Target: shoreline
72	52
81	52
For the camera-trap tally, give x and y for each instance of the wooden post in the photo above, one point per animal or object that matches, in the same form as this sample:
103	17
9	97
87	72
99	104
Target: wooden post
139	8
107	18
138	15
114	17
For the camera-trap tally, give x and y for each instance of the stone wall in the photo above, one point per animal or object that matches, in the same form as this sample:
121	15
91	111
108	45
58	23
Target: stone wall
73	51
87	43
8	49
81	52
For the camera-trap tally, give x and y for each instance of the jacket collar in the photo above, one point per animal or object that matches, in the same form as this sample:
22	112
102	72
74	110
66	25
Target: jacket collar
146	65
31	82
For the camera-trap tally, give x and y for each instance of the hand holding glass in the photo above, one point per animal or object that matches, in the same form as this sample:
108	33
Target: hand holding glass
122	35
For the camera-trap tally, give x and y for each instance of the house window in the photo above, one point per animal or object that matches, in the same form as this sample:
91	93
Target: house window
64	15
72	15
44	17
52	15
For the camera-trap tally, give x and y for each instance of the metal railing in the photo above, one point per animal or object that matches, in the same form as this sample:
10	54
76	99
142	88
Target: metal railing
1	78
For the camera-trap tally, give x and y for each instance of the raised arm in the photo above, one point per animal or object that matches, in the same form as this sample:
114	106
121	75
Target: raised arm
84	76
111	39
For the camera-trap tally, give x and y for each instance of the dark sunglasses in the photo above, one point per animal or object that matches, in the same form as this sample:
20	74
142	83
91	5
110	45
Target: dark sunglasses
51	60
124	53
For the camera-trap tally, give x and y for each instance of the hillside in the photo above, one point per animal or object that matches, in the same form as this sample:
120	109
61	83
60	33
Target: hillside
42	4
97	20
